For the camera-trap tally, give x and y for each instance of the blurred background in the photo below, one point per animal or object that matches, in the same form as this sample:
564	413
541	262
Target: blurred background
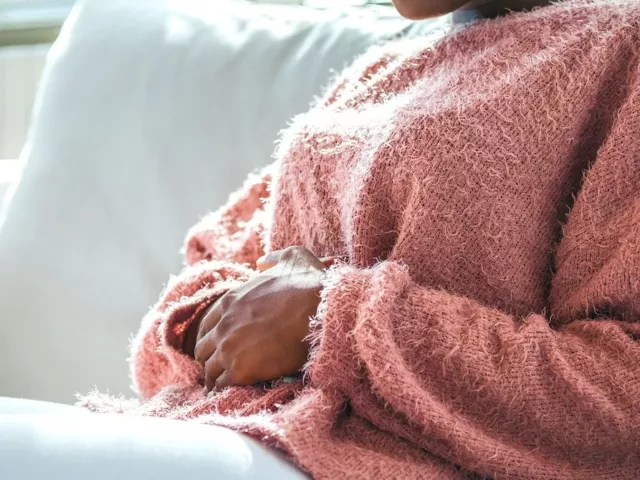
27	28
121	124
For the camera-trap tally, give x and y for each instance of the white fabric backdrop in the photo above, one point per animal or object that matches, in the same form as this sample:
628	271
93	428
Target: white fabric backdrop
149	114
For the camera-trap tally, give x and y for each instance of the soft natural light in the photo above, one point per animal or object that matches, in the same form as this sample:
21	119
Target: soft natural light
178	30
9	172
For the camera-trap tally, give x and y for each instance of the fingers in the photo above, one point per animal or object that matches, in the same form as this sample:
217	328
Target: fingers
212	318
213	369
206	345
224	380
218	377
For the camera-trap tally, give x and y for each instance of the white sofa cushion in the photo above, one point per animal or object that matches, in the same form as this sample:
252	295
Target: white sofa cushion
149	114
41	440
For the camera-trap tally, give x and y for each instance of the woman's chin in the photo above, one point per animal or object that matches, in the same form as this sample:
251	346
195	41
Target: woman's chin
421	9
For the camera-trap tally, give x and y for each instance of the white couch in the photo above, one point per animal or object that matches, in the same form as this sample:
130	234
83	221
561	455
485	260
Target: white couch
149	114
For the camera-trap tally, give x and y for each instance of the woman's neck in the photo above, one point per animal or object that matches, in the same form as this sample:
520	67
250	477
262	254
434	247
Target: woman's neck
477	9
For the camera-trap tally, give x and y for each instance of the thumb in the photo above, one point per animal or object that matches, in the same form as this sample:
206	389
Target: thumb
328	261
268	261
272	259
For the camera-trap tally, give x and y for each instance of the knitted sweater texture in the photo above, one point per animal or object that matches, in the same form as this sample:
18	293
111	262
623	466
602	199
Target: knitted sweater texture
483	187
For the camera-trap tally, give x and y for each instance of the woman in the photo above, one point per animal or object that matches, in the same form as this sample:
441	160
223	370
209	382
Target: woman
478	199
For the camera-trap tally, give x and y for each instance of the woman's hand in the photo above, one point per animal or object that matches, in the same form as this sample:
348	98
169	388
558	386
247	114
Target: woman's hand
257	332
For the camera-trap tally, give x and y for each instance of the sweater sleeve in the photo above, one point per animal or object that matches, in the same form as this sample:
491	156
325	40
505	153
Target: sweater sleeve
221	252
471	383
558	394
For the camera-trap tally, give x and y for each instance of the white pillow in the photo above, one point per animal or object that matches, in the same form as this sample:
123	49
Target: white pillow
149	114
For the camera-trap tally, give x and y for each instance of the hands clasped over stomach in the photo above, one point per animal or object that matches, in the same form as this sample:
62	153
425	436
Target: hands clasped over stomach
258	332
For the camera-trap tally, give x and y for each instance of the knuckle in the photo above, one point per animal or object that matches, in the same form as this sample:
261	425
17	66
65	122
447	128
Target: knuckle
225	348
226	301
213	362
202	332
198	358
223	328
200	348
253	311
197	353
238	372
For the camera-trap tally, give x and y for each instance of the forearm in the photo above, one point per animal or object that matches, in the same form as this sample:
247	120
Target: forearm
457	374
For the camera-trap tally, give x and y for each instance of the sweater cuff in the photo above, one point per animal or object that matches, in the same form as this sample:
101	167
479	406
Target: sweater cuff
157	358
176	322
179	317
357	307
192	292
333	360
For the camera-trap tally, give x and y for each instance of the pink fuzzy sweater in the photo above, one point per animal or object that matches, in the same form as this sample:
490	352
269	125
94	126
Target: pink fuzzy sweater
484	187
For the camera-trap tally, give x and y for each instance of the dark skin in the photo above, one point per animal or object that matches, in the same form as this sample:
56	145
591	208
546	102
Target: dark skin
421	9
258	331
